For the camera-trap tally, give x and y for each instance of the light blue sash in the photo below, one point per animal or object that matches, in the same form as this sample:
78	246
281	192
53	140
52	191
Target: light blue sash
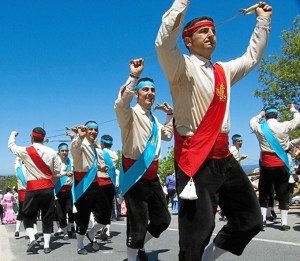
137	170
21	176
87	180
62	180
274	144
111	167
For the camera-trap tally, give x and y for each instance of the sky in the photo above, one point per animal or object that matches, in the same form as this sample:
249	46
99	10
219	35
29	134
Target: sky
62	63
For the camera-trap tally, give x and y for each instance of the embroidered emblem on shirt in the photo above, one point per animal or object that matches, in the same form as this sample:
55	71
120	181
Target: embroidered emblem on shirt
221	92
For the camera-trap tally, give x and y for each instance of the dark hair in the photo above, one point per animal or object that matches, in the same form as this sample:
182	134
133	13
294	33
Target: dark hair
41	131
106	137
194	21
271	115
144	79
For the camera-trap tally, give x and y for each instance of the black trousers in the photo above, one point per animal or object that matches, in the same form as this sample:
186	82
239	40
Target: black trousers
218	182
64	206
95	199
36	200
20	215
146	211
276	178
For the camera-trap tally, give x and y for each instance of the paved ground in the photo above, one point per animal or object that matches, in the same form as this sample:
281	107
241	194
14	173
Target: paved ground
271	244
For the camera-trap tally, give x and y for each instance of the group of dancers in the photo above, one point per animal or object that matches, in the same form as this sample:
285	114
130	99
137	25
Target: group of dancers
207	174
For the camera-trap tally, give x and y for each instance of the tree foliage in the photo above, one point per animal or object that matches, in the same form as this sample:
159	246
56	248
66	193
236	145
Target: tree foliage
166	163
280	74
10	182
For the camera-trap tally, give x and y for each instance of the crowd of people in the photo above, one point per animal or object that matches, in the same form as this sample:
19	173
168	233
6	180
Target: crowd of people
89	188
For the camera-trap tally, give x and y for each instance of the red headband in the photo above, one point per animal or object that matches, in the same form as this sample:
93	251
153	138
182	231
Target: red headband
37	135
189	31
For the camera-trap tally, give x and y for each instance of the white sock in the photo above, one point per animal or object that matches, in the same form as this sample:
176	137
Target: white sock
65	230
58	227
131	254
92	219
283	214
264	213
79	238
35	228
47	240
30	233
93	230
147	238
108	230
269	212
70	225
212	252
18	224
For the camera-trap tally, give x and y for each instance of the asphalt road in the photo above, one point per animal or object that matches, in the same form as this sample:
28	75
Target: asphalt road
271	244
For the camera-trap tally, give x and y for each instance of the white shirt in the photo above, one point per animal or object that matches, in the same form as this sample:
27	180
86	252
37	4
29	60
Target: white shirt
191	77
48	155
281	130
136	124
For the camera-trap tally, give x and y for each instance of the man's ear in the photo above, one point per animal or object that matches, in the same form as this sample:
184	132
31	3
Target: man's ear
136	93
187	41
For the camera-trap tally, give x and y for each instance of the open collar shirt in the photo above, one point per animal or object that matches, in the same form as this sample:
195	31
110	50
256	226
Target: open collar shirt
83	154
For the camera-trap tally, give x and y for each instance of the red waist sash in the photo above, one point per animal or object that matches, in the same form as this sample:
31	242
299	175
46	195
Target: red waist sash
270	159
21	194
65	188
39	184
104	181
220	149
151	172
79	176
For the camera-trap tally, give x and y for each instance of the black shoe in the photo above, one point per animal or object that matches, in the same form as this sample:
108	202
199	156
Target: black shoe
47	250
82	251
142	255
66	237
17	234
120	219
36	236
31	246
273	214
73	230
105	238
285	228
94	244
270	218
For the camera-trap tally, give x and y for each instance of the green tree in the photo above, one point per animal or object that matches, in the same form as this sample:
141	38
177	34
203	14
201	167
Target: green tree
166	163
280	74
10	182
